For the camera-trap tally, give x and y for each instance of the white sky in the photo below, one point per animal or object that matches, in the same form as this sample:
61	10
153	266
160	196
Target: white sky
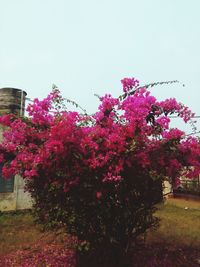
88	46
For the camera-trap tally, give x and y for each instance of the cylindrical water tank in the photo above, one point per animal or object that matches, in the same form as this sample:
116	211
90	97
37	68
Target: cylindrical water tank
12	100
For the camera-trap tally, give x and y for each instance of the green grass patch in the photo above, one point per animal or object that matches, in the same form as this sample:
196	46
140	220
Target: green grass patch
179	225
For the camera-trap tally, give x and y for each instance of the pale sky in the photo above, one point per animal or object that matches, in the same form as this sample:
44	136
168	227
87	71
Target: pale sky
88	46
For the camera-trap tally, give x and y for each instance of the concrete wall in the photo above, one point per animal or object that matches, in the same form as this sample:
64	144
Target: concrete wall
18	199
23	199
12	100
167	188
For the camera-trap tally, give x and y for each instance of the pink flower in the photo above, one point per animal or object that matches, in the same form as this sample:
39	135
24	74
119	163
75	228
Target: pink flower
129	83
163	122
30	173
98	194
173	134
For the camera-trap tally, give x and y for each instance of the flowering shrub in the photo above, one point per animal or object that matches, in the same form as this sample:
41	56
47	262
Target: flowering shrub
100	175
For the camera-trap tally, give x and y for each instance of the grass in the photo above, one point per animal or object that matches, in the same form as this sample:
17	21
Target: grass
180	224
18	231
24	244
175	243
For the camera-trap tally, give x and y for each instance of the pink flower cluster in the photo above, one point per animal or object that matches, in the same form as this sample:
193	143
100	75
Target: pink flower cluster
129	83
62	146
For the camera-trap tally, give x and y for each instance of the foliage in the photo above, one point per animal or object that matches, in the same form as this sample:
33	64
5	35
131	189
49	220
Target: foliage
100	175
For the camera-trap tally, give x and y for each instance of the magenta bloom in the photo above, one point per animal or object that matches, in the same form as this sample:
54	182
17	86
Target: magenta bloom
129	83
98	194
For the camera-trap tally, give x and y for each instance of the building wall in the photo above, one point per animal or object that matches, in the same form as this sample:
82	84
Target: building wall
167	188
18	199
23	199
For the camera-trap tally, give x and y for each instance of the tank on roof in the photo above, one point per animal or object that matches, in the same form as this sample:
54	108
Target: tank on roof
12	100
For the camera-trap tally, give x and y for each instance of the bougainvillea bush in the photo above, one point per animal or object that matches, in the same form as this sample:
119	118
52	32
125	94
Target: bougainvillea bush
100	175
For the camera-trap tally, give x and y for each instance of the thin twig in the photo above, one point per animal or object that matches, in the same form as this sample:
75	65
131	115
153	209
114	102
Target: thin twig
121	97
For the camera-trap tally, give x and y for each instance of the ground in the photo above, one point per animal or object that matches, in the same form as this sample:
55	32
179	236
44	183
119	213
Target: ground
176	243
